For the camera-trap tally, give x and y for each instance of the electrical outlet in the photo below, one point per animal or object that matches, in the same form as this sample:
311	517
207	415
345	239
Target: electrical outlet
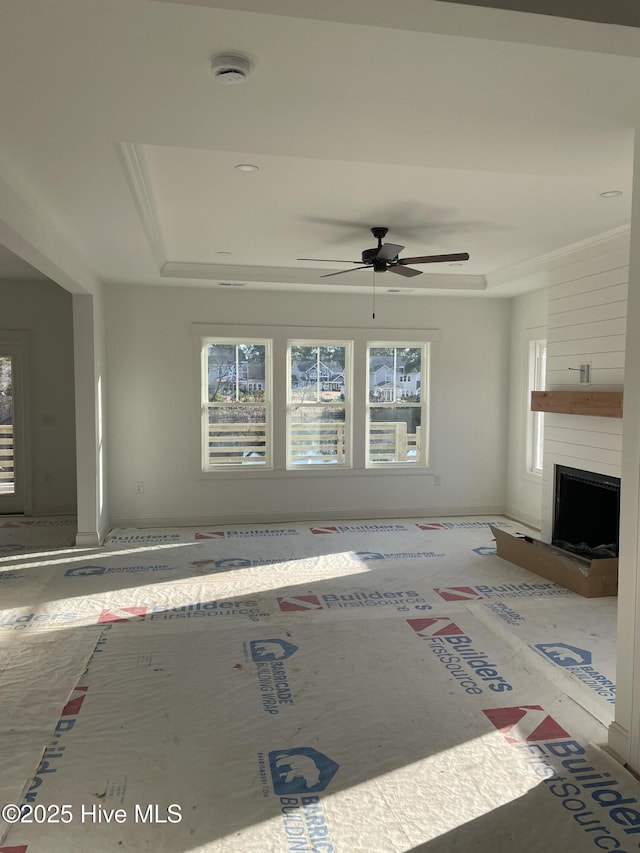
140	487
437	480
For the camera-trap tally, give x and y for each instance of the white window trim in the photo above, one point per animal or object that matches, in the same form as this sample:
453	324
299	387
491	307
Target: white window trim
205	405
347	403
534	345
422	462
280	335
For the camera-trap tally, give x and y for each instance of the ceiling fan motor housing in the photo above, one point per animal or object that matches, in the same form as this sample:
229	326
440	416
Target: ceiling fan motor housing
369	258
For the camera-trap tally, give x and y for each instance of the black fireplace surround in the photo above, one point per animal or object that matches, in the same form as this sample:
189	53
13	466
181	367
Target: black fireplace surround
586	517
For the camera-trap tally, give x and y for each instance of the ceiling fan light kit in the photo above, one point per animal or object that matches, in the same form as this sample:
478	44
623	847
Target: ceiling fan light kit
385	257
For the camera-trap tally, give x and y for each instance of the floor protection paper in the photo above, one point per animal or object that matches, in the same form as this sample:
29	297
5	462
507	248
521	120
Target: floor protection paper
370	687
37	674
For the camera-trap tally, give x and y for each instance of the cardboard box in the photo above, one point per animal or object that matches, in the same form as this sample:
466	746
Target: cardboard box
591	578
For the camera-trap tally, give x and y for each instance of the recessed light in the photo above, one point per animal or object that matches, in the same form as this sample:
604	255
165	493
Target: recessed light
246	167
611	194
224	253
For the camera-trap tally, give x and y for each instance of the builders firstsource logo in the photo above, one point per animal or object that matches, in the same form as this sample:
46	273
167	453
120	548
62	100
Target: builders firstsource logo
55	751
525	723
505	590
472	669
359	528
122	614
401	600
258	533
594	802
458	525
18	621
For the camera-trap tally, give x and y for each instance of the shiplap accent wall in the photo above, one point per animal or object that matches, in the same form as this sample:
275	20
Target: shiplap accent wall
587	313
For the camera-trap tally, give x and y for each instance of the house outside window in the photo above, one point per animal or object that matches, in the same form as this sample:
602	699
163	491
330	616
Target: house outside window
318	403
397	404
236	403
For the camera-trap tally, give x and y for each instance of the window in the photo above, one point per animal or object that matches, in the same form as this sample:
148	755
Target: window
236	403
318	403
535	425
287	401
396	404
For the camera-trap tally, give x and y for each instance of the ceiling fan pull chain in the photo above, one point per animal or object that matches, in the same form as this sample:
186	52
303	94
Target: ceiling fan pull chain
373	315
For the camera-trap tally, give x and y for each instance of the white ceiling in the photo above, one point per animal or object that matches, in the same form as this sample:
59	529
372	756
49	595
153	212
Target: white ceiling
458	128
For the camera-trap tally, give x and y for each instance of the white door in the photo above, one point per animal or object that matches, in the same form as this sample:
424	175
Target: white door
13	486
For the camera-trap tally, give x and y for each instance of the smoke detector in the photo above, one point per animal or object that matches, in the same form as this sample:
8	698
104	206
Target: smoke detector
231	67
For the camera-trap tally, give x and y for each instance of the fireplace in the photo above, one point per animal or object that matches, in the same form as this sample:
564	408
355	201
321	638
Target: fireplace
586	517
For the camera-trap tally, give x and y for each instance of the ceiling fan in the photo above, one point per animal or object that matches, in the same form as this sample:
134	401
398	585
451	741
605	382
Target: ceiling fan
385	257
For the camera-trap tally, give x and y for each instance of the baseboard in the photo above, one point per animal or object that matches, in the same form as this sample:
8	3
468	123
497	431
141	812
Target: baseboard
323	515
93	538
522	517
619	743
53	511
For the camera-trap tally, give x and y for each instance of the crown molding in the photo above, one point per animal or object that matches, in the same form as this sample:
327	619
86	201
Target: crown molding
536	269
307	276
133	163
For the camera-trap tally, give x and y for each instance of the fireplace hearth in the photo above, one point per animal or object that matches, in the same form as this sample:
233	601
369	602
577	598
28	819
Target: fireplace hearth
586	516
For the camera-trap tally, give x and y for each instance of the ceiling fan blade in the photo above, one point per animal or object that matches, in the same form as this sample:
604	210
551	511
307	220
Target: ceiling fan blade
406	271
388	251
326	275
436	259
329	260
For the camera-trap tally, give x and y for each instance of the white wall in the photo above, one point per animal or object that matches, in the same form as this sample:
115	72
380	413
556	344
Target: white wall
524	489
90	373
153	423
44	310
587	324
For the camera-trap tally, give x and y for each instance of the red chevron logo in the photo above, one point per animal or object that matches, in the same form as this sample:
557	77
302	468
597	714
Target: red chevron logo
122	614
300	602
437	626
459	593
525	723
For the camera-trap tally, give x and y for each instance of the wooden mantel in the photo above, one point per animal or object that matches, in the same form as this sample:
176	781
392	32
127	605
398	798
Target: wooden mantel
605	404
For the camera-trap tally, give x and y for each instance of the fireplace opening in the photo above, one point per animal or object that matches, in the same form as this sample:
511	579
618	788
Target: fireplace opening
586	517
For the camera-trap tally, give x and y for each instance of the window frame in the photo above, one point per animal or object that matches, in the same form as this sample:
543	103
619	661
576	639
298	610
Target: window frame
206	405
346	404
423	405
278	336
534	441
